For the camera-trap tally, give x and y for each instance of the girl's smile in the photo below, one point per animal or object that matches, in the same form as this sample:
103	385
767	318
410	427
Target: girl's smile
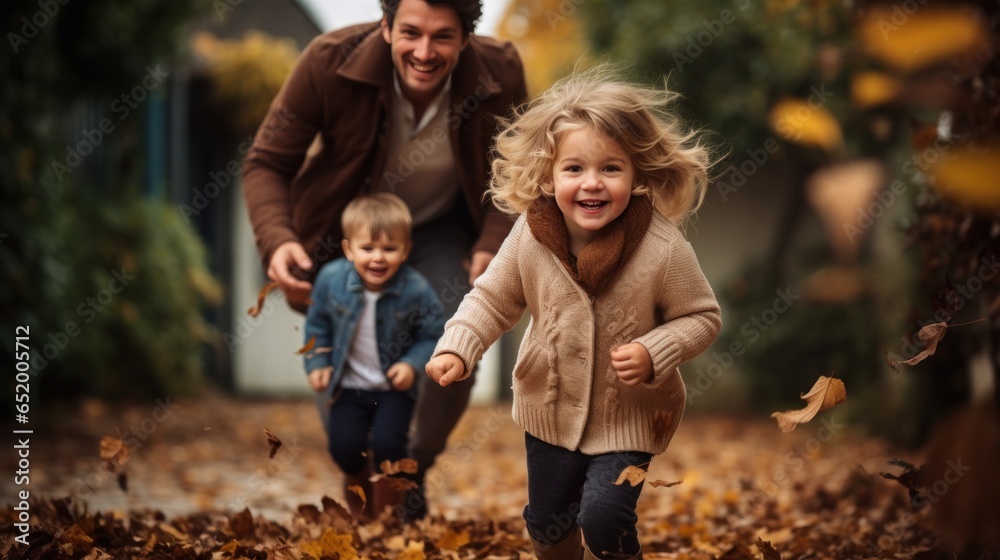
592	179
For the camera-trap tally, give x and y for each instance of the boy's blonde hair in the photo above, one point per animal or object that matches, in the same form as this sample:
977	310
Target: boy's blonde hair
671	165
379	213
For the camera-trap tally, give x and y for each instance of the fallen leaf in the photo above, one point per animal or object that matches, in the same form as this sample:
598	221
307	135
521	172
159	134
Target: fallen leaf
333	508
414	551
634	475
242	525
929	335
825	393
663	483
767	550
330	544
357	489
76	541
255	311
452	540
309	345
273	441
114	451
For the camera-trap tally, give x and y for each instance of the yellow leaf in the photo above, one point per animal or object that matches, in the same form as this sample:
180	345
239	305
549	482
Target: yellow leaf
357	489
414	551
114	451
929	35
825	393
806	123
869	89
634	475
969	176
330	544
452	540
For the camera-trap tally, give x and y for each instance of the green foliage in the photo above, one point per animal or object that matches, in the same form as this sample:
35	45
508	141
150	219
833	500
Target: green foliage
64	237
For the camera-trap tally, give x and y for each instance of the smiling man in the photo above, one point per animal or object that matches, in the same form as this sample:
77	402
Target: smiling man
407	105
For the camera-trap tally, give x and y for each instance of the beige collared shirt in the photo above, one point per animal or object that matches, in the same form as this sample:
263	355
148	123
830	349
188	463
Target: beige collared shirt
420	167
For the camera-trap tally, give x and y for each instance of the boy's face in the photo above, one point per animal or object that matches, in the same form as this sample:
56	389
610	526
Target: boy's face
376	260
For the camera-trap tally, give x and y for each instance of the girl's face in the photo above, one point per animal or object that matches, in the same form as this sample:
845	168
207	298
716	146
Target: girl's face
592	178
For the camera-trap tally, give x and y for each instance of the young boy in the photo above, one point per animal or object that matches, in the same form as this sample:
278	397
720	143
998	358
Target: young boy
380	320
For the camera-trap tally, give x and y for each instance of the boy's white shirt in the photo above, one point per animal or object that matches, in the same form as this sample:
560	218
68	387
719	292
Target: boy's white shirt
363	369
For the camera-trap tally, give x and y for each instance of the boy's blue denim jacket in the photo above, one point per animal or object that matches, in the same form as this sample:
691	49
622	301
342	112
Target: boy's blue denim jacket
408	320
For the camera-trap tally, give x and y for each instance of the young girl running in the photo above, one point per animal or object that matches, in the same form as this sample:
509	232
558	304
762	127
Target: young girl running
602	179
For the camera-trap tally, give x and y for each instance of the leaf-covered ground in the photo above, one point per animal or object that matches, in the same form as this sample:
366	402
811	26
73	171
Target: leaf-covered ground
196	466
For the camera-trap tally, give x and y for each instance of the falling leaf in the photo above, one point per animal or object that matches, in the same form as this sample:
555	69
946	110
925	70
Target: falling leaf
273	441
357	489
309	345
662	483
767	550
330	544
825	393
929	335
634	475
123	482
255	311
320	350
333	508
925	37
870	89
452	540
114	451
968	175
909	478
803	123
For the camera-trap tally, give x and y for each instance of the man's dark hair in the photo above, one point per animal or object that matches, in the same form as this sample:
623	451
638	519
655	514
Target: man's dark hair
469	11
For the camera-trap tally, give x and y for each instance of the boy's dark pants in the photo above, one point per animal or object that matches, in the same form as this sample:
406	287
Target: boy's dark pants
567	489
439	249
362	420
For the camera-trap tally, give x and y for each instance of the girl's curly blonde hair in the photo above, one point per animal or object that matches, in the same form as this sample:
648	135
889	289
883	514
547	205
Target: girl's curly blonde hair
671	164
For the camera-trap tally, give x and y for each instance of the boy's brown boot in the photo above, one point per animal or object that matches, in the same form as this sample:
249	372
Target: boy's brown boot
355	504
570	548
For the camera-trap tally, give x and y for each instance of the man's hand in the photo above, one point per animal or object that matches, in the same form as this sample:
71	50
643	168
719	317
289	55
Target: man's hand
401	375
632	363
446	369
319	378
279	269
480	260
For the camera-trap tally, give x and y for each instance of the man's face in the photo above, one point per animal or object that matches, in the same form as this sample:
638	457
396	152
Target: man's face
426	41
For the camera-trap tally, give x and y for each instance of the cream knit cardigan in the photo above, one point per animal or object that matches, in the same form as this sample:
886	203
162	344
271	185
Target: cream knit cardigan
565	391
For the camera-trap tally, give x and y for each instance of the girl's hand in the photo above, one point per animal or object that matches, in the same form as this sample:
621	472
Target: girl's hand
319	378
446	369
632	363
401	375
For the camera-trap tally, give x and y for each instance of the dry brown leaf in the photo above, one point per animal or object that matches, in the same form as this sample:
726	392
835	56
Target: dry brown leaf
333	508
330	544
272	441
242	525
405	465
357	489
255	311
114	451
634	475
767	550
825	393
414	551
123	482
309	346
76	541
452	540
930	335
663	483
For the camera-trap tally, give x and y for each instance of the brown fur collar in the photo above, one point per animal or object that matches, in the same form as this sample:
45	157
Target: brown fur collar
600	261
